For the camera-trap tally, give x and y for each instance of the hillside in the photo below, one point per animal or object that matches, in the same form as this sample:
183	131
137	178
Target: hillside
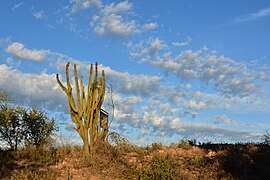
127	161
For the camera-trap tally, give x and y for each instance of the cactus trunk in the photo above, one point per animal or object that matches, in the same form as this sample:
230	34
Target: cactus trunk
85	113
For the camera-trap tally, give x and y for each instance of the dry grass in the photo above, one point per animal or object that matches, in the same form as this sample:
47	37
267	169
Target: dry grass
127	161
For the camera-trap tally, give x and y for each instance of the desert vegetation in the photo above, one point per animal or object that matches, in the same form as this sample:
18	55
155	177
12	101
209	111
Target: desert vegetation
123	160
28	152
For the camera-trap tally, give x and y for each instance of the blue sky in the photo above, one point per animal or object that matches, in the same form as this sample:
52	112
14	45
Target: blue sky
179	68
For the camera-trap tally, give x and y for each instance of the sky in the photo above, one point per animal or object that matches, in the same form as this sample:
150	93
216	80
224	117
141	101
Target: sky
179	69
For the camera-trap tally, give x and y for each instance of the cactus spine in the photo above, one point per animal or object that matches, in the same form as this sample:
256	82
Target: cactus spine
85	112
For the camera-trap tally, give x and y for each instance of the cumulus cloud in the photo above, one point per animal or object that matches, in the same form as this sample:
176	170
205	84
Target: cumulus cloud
80	5
147	53
20	51
142	101
196	105
36	89
134	84
227	76
123	82
153	122
113	20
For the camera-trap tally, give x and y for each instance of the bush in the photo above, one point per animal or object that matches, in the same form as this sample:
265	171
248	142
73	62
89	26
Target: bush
38	128
19	125
11	126
160	168
184	144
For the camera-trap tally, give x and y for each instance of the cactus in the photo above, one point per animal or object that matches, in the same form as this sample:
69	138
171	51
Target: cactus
85	113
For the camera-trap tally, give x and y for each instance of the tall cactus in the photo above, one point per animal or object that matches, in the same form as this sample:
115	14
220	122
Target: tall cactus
85	113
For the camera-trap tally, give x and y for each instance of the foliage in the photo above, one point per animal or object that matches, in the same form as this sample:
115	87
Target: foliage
19	125
117	139
197	161
86	112
160	169
185	144
38	128
11	126
236	161
4	97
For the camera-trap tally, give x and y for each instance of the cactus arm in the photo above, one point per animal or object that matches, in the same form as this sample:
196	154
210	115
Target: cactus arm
77	90
67	90
67	77
90	81
60	83
83	99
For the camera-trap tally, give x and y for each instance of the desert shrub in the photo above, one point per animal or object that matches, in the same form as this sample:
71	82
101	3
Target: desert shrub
160	168
156	146
129	173
121	143
184	144
41	156
116	139
197	161
33	175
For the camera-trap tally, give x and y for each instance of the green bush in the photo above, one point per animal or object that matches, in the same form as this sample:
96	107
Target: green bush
160	168
20	126
184	144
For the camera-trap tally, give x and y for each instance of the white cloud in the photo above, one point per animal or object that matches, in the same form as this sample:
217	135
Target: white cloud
135	84
36	89
117	8
123	82
18	50
9	60
253	16
113	25
196	105
167	109
185	43
113	20
17	5
150	26
227	76
39	14
223	119
153	123
80	5
142	101
188	86
148	53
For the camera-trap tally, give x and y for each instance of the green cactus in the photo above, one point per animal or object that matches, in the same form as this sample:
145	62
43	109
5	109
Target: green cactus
85	113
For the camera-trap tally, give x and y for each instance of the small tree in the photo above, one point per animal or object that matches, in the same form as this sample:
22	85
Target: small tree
38	128
11	128
18	125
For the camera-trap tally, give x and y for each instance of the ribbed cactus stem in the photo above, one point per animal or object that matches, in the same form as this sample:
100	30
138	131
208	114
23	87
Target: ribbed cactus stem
85	113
